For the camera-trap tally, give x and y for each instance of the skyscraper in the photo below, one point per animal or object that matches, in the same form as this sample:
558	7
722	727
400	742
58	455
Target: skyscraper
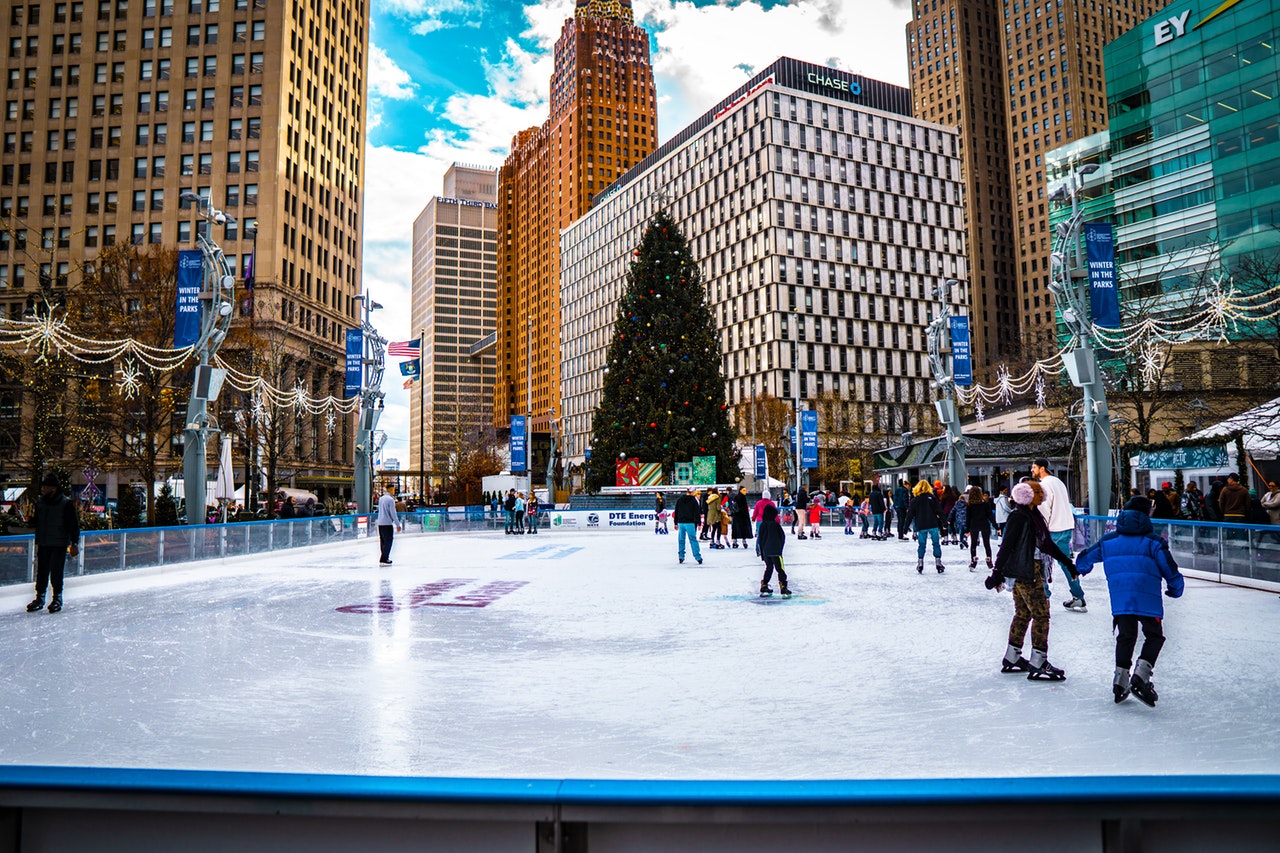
603	121
114	108
454	274
1017	79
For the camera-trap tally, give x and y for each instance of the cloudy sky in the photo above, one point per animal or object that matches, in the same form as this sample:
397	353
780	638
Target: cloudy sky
454	80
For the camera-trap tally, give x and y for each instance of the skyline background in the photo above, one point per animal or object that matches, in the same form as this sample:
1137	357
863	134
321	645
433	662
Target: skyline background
455	80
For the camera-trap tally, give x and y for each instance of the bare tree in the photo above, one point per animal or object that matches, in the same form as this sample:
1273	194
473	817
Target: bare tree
771	418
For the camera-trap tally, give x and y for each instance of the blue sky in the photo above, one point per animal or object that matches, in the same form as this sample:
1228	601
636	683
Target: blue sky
454	80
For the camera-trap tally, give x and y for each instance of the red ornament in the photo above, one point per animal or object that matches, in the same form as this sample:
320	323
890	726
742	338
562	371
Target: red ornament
653	426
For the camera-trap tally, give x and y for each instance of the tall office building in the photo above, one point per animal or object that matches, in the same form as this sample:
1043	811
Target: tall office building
1017	79
114	108
823	217
603	121
454	285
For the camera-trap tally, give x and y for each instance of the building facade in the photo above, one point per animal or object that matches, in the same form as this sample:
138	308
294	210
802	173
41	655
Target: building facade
114	108
603	121
823	217
455	261
1018	79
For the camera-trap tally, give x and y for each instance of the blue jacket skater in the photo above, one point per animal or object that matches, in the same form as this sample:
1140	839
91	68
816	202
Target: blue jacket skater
1134	560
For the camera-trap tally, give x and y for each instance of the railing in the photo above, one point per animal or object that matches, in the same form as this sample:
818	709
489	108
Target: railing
1244	554
103	551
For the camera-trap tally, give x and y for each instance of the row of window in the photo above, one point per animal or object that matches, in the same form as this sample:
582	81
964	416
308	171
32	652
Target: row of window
192	99
29	15
149	38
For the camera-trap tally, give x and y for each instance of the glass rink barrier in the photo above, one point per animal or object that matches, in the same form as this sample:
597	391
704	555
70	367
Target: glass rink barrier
1242	554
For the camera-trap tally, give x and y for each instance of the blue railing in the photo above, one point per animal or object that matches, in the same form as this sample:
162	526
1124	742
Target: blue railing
1236	553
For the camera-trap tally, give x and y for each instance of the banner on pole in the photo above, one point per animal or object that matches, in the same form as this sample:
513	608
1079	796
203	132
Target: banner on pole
355	363
809	439
1100	257
961	357
519	445
762	463
186	321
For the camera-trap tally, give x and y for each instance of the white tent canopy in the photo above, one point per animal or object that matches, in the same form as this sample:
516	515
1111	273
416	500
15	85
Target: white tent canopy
1260	427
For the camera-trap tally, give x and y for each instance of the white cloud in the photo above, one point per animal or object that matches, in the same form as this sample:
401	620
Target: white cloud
386	79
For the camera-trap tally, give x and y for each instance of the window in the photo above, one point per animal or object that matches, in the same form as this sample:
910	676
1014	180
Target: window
259	30
241	32
100	72
140	167
148	38
113	137
157	167
237	96
189	101
233	161
211	34
188	131
207	97
139	233
210	66
255	63
91	236
233	196
251	161
193	35
206	164
250	193
206	131
235	128
255	128
188	164
161	134
237	63
142	135
146	69
255	96
162	69
166	36
157	199
193	66
155	233
144	102
139	201
162	102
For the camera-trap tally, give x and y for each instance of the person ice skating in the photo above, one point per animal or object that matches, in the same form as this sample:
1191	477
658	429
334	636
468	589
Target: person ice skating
815	520
901	497
388	523
1003	507
772	540
659	514
923	512
509	506
757	514
1136	562
958	520
687	514
1026	530
518	514
1057	513
531	514
850	512
946	502
978	515
877	506
57	533
740	519
714	513
802	511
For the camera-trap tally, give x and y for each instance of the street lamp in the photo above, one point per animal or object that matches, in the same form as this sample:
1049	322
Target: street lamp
944	380
373	358
1069	285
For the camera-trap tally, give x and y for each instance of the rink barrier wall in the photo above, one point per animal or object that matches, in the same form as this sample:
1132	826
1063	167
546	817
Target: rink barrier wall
57	808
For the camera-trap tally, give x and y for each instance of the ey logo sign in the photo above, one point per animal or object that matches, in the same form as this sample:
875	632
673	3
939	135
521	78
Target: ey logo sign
1172	28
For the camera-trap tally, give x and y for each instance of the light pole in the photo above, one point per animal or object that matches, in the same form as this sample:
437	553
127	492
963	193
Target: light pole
795	391
250	482
528	405
217	301
374	362
943	378
1069	284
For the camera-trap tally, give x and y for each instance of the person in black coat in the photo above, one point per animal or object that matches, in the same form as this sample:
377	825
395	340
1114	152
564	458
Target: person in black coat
877	512
924	513
901	497
57	529
1025	531
687	514
772	540
802	506
979	517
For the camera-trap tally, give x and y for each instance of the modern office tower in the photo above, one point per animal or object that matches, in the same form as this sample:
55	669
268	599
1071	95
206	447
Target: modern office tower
455	262
113	108
1017	79
603	121
823	218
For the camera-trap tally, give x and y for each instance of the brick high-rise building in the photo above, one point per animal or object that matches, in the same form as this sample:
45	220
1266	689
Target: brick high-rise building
603	121
1018	79
114	108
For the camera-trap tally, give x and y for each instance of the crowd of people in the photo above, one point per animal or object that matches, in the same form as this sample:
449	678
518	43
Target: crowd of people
1227	501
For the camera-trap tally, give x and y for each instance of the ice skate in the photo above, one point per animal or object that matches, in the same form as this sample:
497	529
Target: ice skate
38	604
920	566
1141	684
973	564
766	591
1120	685
1076	604
802	536
990	563
1013	661
1042	670
937	564
55	606
786	592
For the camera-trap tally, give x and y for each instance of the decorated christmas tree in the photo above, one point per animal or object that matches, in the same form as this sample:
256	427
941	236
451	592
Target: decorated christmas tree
663	397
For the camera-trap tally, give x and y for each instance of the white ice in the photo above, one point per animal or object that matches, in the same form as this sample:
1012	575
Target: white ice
613	661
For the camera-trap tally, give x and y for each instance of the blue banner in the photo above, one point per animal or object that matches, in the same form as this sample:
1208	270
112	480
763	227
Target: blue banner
961	358
186	320
411	368
809	439
355	363
519	445
1100	257
762	463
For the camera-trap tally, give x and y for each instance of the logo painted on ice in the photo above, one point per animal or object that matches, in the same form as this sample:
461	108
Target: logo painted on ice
438	594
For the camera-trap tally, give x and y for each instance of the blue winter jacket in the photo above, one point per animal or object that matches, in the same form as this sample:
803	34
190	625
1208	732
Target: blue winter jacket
1134	560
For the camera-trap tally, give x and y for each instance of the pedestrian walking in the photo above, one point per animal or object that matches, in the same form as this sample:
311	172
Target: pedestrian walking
57	533
388	523
687	514
1136	563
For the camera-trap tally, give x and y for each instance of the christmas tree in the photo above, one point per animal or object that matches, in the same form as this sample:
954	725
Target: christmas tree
663	397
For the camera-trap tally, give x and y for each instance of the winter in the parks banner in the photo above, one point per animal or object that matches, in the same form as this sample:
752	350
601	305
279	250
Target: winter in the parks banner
762	463
519	445
1100	257
355	363
961	357
809	439
186	321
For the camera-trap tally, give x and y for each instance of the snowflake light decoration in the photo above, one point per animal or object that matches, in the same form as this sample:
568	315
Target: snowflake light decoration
979	411
1004	384
130	380
1041	399
330	422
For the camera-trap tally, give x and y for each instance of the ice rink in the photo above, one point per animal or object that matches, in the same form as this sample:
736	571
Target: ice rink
595	655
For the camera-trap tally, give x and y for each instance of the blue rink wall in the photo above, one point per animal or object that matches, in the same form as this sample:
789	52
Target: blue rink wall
75	809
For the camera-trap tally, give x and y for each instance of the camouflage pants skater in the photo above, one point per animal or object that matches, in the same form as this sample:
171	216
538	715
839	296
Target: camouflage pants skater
1030	606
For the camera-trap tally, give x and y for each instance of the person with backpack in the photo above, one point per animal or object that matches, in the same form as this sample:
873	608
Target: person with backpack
1136	561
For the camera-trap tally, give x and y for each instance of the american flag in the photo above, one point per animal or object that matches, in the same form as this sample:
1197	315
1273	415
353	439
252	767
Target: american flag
405	349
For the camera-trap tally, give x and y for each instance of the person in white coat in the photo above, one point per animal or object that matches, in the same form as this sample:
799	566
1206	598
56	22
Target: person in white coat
1003	507
1056	509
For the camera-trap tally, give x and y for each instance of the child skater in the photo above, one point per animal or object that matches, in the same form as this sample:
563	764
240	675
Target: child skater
1135	561
772	540
1027	530
815	519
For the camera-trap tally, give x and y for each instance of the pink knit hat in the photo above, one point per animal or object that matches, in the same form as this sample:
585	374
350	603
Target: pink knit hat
1023	494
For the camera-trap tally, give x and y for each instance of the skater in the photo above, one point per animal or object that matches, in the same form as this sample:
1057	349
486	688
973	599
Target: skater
1003	508
923	512
815	519
864	513
772	539
57	533
757	514
877	506
1135	562
978	517
687	515
531	514
787	514
388	521
958	520
740	518
802	507
659	514
1057	513
713	513
519	514
848	512
901	497
509	507
1016	560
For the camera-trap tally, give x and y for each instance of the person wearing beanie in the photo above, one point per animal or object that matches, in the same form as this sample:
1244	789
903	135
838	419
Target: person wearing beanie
1136	562
1025	531
772	539
57	531
925	513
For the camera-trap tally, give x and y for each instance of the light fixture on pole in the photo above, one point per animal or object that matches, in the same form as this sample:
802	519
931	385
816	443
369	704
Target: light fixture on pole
371	404
944	381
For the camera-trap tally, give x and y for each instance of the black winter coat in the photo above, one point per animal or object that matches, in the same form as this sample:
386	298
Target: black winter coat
772	538
1026	531
981	515
687	511
877	502
923	512
57	521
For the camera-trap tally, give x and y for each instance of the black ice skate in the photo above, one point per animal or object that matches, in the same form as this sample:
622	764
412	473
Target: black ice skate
56	605
1141	684
38	604
938	565
786	592
973	564
1042	670
1076	604
920	566
1120	685
1019	665
766	591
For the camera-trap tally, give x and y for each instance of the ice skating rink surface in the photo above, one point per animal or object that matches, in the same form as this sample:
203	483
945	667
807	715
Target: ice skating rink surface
595	655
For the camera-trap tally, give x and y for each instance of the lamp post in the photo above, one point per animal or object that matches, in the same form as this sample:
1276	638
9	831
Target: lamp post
528	405
795	391
371	397
251	428
1069	284
217	300
945	405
